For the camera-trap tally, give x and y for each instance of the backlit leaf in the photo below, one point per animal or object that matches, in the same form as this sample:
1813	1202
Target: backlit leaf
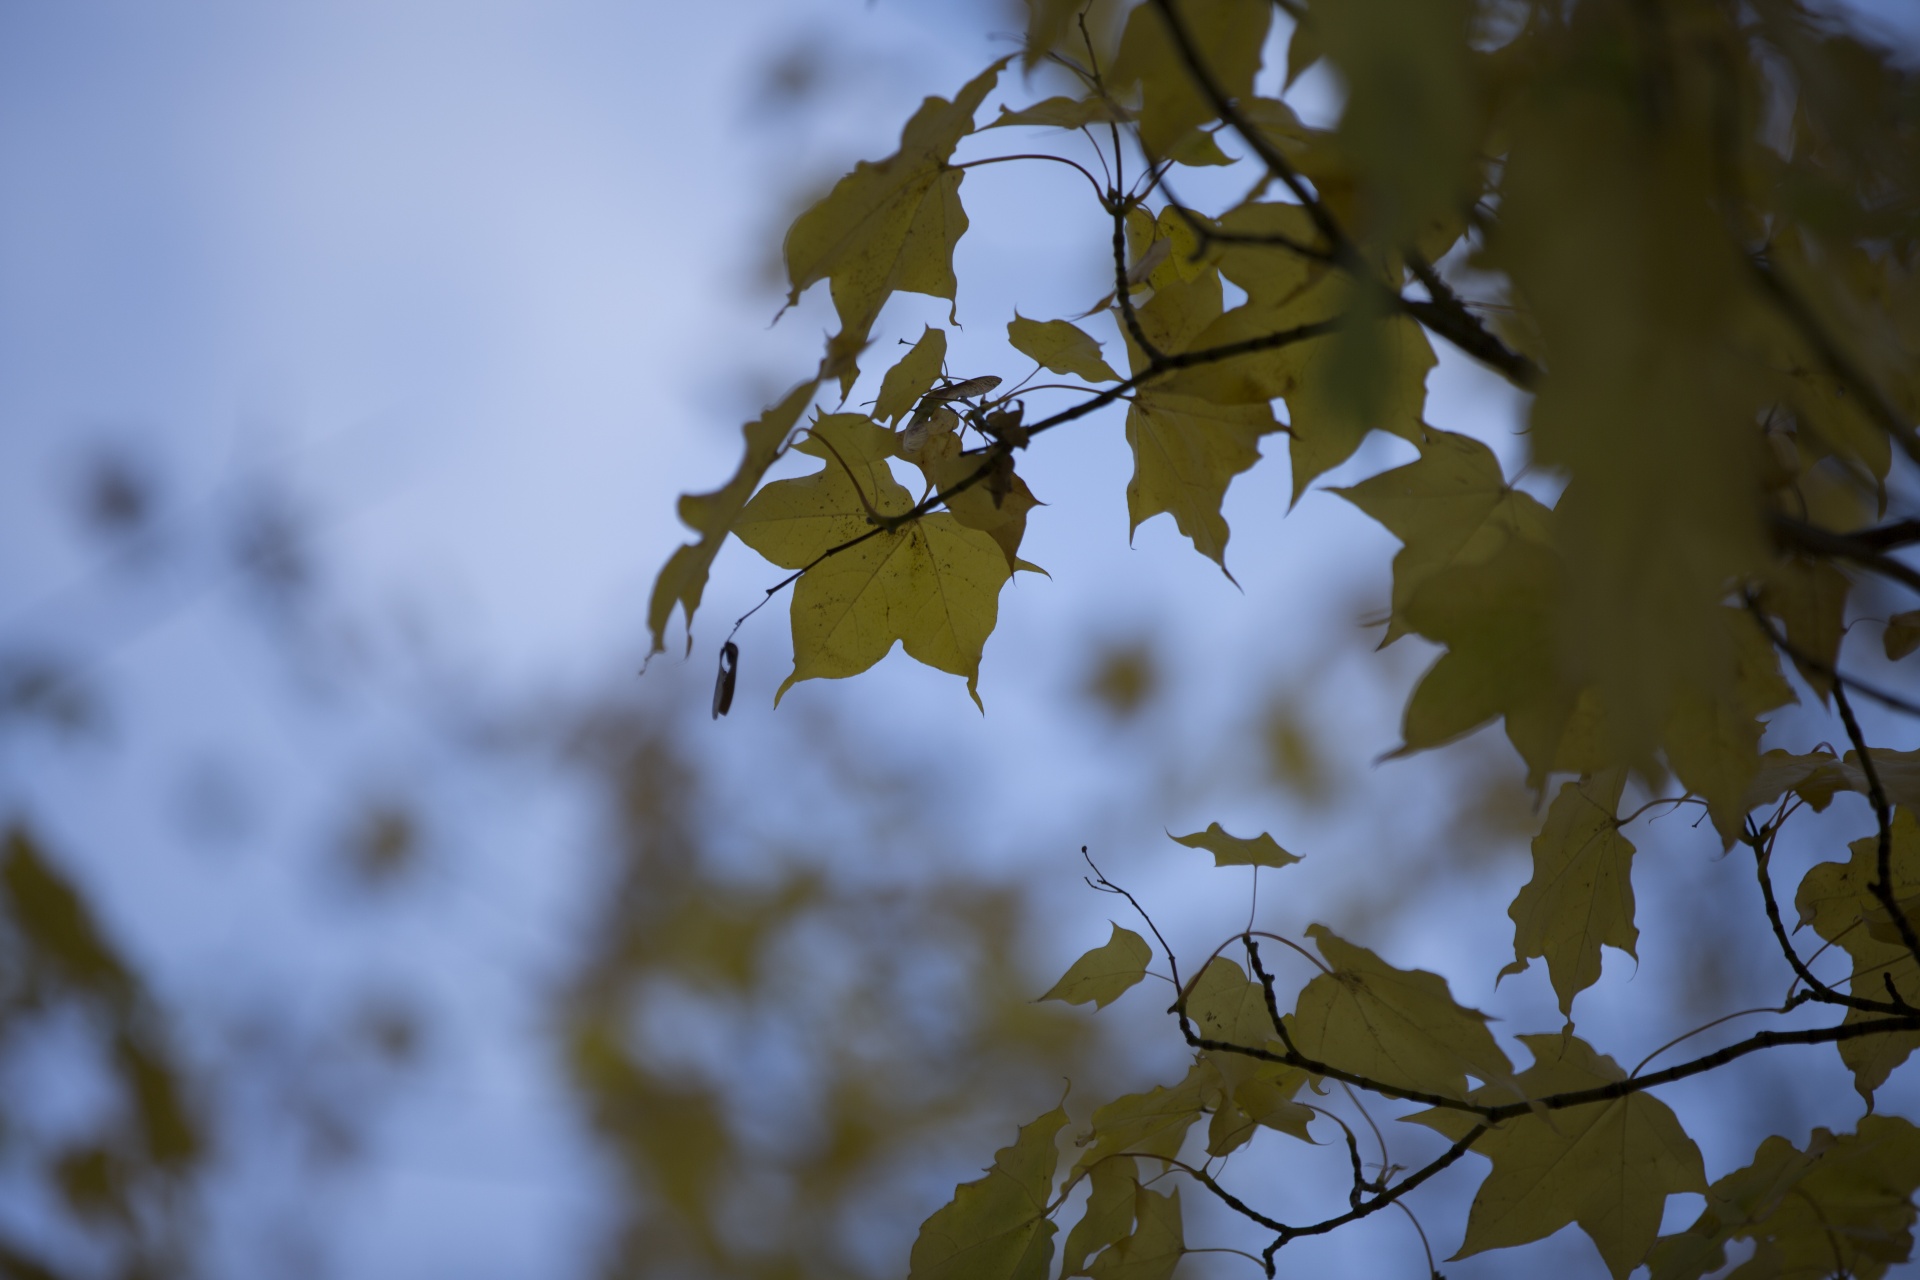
1153	1123
912	377
1580	896
1607	1166
1237	851
1108	1216
997	1227
1105	973
1061	347
1397	1026
1156	1246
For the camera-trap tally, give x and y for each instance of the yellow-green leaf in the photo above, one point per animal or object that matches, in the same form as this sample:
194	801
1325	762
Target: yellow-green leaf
1108	1216
996	1228
892	224
1185	453
1105	973
912	377
1061	347
1397	1026
1608	1166
1843	1206
1231	1008
1060	113
997	505
1371	375
1451	507
1153	1123
1902	635
1237	851
1156	1246
1580	897
1836	900
1228	35
683	579
931	585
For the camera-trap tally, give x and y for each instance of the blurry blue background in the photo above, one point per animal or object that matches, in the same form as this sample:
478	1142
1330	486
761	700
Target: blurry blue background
351	358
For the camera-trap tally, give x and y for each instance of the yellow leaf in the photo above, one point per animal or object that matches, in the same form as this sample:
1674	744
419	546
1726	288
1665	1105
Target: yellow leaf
1580	896
1156	1246
1843	1206
1228	35
1000	515
683	579
1451	507
1497	620
1060	113
1108	1216
1105	973
1271	274
1397	1026
1836	900
1185	453
1608	1166
996	1228
1153	1123
1809	597
1061	347
892	224
1713	736
1237	851
912	377
932	585
1370	375
1229	1007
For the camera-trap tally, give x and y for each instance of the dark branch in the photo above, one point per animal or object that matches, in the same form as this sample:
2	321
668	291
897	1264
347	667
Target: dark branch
1882	886
1762	845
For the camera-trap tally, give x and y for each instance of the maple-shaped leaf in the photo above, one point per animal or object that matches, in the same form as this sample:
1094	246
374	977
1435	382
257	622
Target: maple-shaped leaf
1229	1007
1060	346
1105	973
1398	1026
1809	597
1498	622
1608	1166
932	585
1186	452
1451	507
1227	35
1369	375
1814	777
683	579
1580	896
1237	851
996	1228
1844	1206
1835	898
1271	275
1108	1216
996	505
891	224
1061	113
912	377
1155	1247
1153	1123
1712	739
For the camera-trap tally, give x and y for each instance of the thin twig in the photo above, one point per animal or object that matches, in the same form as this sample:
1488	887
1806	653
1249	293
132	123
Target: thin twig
1882	886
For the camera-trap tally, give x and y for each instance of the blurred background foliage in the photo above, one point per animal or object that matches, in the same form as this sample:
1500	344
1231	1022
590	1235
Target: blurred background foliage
329	949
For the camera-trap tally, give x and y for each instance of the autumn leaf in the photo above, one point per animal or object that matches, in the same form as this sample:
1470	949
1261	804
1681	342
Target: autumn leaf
1844	1206
1108	1216
996	1228
1237	851
931	585
1836	899
1185	453
1452	507
892	224
1902	635
1580	896
1061	347
1153	1123
684	578
1154	1248
912	377
1231	1008
1001	515
1060	113
1607	1166
1368	376
1105	973
1398	1026
1228	33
